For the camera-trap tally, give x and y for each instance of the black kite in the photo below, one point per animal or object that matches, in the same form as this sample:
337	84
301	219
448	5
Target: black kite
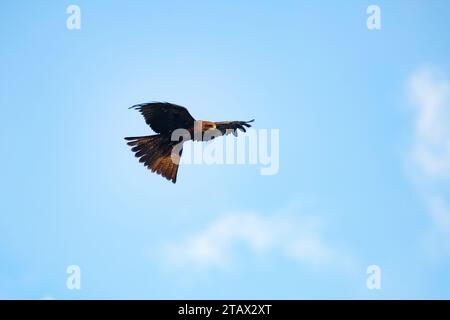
164	118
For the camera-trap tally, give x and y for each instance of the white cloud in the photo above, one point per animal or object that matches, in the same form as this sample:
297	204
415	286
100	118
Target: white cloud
430	90
441	213
219	244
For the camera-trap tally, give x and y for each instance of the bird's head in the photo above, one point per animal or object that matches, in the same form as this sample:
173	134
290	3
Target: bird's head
206	125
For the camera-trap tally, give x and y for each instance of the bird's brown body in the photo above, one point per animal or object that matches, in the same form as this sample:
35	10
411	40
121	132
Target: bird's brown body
169	121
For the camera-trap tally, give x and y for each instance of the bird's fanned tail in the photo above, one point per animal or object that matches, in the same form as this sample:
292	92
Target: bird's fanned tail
155	152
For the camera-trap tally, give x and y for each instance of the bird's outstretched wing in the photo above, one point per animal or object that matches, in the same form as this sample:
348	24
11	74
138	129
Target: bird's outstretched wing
164	117
227	127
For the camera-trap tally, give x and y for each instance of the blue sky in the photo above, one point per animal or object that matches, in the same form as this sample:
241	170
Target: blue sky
364	150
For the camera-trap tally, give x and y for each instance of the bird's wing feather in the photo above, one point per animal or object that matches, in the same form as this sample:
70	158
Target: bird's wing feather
227	127
164	117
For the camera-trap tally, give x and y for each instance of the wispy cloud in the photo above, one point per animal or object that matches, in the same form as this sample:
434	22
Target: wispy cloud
429	89
440	213
430	92
293	236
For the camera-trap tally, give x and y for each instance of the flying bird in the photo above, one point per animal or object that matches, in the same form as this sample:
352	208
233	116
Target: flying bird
156	151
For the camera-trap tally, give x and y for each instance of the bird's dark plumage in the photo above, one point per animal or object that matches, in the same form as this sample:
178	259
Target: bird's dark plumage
164	117
156	152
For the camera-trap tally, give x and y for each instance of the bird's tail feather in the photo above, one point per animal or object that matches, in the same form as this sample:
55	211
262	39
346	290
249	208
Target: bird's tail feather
155	152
